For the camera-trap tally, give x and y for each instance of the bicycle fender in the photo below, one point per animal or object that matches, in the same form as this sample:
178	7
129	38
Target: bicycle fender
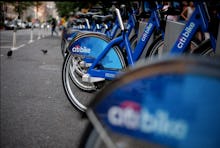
159	104
91	45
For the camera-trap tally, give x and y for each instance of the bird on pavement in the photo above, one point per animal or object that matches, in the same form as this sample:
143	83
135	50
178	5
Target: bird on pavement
44	51
9	54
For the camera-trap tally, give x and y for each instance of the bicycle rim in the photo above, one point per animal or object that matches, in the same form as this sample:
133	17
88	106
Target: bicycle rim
208	52
78	92
205	48
73	86
157	48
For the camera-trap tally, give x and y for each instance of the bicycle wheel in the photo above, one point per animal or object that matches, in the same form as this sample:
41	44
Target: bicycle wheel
92	139
65	42
133	41
205	48
156	49
64	45
208	52
79	92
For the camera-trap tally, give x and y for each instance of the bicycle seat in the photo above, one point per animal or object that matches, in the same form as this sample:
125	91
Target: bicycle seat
102	18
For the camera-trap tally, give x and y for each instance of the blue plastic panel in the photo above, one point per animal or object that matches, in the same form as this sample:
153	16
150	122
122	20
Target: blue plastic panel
91	47
173	110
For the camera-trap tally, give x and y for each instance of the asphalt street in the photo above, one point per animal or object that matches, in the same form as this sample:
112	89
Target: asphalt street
35	112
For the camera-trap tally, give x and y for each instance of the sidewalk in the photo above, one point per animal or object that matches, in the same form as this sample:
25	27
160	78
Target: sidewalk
34	109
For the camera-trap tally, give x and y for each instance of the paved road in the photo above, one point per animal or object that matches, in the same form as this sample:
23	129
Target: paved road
23	36
34	109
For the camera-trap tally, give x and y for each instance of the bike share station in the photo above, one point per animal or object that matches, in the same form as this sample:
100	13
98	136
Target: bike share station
170	102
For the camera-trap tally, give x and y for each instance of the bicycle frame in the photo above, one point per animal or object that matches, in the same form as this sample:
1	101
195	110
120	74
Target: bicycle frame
199	19
130	25
132	57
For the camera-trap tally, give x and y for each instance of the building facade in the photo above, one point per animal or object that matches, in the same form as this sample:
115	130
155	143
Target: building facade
42	13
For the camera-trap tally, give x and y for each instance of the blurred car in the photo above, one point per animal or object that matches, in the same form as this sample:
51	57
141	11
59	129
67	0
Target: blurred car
10	25
20	23
29	24
45	25
36	25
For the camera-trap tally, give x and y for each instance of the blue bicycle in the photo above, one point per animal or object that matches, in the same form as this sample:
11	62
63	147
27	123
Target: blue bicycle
94	59
169	102
200	20
78	26
95	22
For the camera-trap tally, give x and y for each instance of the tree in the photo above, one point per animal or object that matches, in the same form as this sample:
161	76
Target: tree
37	4
2	15
20	6
64	8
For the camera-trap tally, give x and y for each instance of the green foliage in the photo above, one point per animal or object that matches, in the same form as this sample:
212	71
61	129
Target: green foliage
21	6
28	18
65	7
1	24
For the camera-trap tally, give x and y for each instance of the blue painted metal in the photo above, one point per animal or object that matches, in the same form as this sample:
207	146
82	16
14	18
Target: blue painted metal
100	49
198	19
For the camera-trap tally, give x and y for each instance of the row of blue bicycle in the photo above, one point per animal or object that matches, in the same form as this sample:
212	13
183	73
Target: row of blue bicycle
156	101
94	58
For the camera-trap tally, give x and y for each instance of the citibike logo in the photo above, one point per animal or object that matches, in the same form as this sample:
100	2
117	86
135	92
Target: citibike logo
81	49
146	32
185	35
131	116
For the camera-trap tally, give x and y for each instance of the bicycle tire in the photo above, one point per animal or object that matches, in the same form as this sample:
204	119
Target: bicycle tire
72	74
133	41
156	48
205	48
208	52
158	42
93	140
69	86
63	47
65	43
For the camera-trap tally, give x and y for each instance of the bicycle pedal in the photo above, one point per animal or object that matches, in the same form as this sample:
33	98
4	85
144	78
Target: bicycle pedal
88	78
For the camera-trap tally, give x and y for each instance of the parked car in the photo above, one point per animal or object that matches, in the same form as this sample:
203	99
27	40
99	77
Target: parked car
45	25
10	25
29	24
36	25
20	24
